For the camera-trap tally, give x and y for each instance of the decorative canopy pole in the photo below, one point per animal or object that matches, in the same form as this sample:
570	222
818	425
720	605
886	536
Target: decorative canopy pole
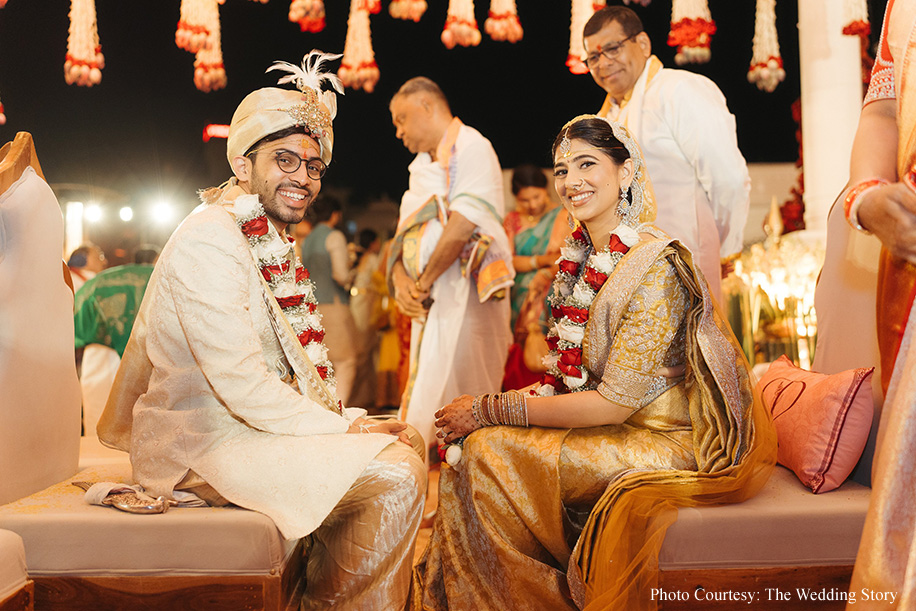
209	71
309	14
581	11
766	69
84	61
460	25
503	23
407	9
692	28
358	69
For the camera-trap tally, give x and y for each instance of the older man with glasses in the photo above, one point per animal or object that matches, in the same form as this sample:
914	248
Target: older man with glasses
687	135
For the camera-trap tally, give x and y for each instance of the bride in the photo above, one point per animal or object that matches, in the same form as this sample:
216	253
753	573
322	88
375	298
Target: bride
562	493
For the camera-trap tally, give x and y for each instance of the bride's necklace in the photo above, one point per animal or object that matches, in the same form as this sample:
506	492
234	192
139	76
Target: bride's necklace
583	272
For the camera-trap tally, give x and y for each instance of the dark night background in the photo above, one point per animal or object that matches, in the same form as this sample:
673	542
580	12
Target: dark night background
139	132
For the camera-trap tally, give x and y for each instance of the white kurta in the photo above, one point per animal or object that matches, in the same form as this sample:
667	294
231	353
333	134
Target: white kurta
464	342
688	137
214	401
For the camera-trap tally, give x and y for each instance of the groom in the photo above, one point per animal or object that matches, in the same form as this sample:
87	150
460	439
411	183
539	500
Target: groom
225	389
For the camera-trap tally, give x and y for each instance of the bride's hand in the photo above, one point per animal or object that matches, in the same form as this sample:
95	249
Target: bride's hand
455	420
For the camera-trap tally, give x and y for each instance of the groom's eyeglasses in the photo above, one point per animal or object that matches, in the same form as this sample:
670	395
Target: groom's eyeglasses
290	162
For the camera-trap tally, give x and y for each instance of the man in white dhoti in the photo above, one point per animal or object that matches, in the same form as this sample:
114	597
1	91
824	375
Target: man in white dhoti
450	262
225	389
687	135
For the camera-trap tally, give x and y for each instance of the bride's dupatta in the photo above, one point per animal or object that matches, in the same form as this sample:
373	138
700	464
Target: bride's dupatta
615	562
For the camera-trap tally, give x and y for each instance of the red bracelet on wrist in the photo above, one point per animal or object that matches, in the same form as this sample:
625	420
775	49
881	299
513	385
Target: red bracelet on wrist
853	199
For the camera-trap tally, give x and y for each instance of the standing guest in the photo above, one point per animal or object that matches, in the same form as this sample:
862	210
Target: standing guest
225	389
363	300
536	230
325	255
648	405
882	199
688	138
84	263
450	263
105	308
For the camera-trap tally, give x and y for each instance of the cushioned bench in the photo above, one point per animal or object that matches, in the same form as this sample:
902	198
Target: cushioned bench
16	589
785	537
80	554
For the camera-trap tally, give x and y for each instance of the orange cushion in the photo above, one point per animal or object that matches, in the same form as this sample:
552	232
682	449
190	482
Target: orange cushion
822	421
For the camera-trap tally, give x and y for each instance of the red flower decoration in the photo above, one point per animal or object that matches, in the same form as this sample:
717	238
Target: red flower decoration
556	312
616	245
441	450
570	370
290	302
269	271
595	279
550	380
552	342
310	335
579	315
570	267
313	307
302	274
255	227
572	356
322	371
578	235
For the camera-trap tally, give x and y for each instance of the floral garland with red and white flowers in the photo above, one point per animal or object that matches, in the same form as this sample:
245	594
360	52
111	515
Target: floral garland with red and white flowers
288	281
582	274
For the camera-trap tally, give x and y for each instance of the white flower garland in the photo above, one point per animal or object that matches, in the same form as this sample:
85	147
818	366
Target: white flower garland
84	62
411	10
209	71
692	28
358	68
580	13
288	280
582	274
309	14
502	22
766	69
460	25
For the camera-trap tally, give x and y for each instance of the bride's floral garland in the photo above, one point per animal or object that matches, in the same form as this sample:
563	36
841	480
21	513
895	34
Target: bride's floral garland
582	274
288	281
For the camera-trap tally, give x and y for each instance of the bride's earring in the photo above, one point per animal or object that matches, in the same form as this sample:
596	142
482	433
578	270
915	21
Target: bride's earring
623	203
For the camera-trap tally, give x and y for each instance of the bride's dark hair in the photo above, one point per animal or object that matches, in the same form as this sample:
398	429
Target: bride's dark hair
598	133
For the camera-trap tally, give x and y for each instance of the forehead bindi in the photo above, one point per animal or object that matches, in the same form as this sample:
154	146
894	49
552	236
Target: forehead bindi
302	145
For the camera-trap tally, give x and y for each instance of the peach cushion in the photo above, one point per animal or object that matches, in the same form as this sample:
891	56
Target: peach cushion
822	421
783	526
64	535
13	573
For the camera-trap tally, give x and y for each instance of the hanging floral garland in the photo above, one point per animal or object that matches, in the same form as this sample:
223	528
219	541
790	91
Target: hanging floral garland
2	116
766	69
84	61
192	33
855	16
209	71
309	14
502	22
582	274
358	69
582	10
407	9
692	28
460	25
